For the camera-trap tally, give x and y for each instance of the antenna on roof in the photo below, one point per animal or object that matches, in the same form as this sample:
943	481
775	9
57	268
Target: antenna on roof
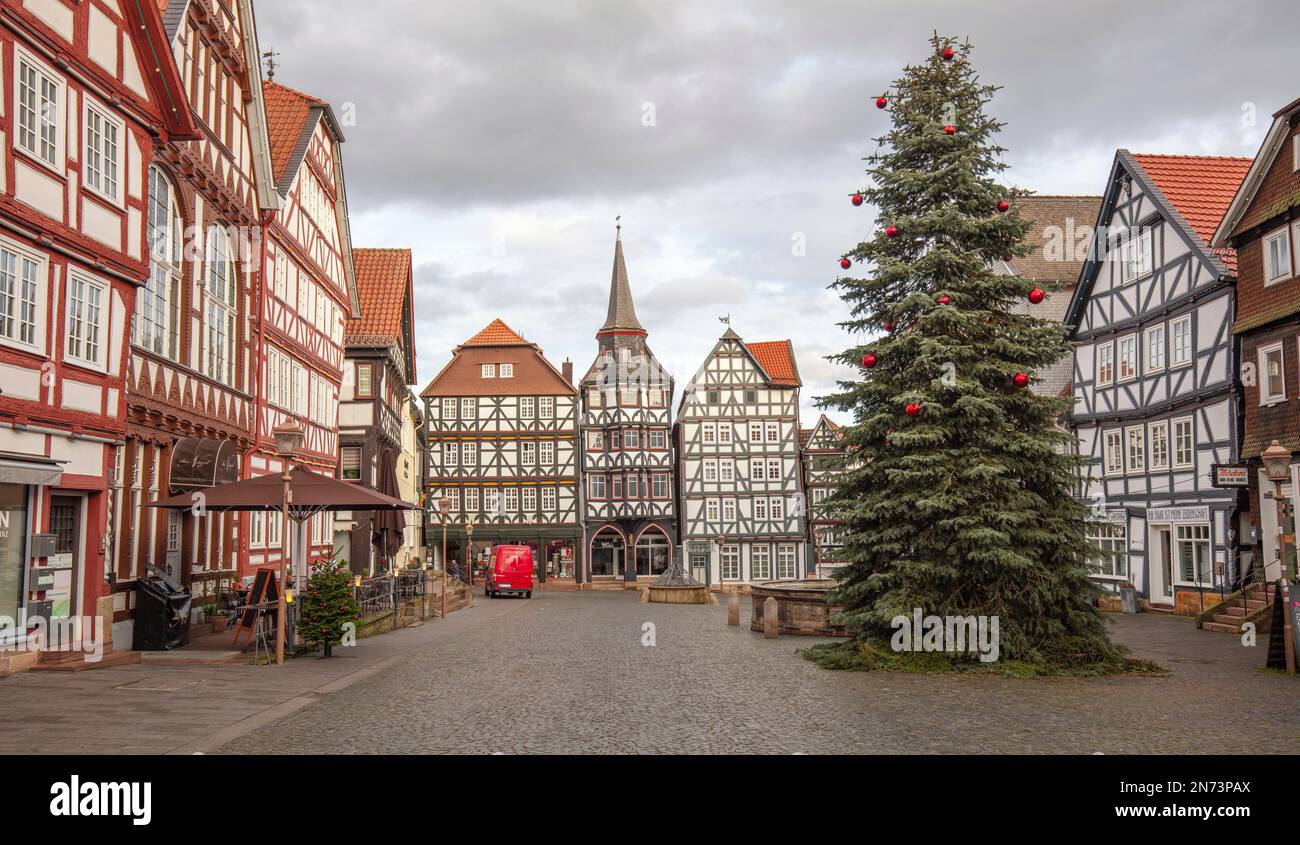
271	63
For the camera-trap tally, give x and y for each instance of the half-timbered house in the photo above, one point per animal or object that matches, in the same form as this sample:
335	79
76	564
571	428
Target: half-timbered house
626	445
501	429
1262	225
379	368
308	289
82	100
741	506
192	381
824	461
1156	400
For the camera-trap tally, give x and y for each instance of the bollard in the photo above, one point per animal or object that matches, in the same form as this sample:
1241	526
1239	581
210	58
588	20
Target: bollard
769	618
733	609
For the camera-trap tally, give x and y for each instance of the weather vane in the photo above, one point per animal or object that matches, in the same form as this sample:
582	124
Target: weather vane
271	64
725	320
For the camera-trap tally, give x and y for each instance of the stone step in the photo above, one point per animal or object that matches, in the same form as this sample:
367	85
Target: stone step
1222	627
117	658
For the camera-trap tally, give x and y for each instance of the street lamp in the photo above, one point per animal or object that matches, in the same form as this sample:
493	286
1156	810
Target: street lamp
722	538
444	509
1277	466
288	440
469	550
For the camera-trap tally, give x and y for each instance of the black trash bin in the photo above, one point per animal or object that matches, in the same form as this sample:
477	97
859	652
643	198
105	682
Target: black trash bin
162	613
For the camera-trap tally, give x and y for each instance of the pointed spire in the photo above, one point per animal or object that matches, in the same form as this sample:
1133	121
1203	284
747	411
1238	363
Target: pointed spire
621	316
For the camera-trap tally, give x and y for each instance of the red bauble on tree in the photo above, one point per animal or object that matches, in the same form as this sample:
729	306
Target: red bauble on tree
913	409
869	360
1003	205
857	199
881	102
950	130
1036	295
891	231
889	327
948	53
1021	380
942	299
845	264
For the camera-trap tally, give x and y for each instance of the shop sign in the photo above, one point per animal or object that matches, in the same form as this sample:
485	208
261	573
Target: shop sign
1188	514
1229	475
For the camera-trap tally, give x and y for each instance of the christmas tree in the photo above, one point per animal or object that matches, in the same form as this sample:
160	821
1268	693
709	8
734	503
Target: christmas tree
959	501
327	604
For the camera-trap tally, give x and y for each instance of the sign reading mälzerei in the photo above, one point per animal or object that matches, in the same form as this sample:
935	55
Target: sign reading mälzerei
1229	475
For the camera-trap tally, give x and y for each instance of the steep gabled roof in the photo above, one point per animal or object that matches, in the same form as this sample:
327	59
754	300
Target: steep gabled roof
291	118
498	344
776	357
385	292
1048	215
497	333
1234	219
621	314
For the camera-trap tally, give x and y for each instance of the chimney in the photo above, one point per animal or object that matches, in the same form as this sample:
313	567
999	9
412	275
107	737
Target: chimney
567	369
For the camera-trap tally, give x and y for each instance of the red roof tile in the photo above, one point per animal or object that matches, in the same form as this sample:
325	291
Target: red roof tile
286	113
496	333
383	285
777	357
1200	188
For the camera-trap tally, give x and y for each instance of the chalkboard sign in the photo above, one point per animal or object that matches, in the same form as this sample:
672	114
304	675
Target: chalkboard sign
265	589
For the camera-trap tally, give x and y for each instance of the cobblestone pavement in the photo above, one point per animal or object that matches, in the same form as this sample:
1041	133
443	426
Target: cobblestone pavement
567	672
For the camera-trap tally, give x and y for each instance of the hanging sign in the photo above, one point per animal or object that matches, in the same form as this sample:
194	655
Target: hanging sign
1229	475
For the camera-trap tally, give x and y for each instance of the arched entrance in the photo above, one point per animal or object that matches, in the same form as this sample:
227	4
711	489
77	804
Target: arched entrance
653	552
608	553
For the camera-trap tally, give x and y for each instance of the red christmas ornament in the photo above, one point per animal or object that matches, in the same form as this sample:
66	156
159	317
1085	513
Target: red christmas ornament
1036	295
950	130
948	54
889	327
1021	380
891	231
942	299
868	360
881	102
913	409
1003	205
845	264
857	199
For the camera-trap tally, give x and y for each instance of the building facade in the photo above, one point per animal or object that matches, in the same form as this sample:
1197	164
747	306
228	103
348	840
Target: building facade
378	371
1262	226
83	101
626	445
1156	399
410	482
741	503
824	461
502	428
308	290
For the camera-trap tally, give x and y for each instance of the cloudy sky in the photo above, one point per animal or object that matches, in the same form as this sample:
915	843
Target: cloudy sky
500	139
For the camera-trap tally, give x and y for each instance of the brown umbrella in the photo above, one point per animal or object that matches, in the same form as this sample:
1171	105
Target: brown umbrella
387	526
310	493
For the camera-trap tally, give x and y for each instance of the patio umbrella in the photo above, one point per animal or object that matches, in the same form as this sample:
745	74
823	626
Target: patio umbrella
310	493
388	525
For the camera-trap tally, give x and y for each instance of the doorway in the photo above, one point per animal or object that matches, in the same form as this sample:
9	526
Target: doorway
65	525
1162	570
607	554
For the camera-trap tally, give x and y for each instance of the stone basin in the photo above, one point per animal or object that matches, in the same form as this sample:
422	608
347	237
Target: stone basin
801	608
679	593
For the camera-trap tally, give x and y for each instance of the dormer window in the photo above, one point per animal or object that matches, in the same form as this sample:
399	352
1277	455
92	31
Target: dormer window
489	371
507	371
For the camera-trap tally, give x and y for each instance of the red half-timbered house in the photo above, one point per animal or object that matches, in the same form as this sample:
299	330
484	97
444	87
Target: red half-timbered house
82	100
309	290
192	375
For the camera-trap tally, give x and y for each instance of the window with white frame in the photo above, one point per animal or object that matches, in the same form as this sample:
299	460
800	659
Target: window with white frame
512	499
774	469
1155	339
760	562
527	407
773	431
1111	542
469	454
777	507
596	486
710	470
488	371
1277	256
1180	341
448	409
350	463
471	499
530	499
756	469
103	152
724	432
1295	153
528	453
548	499
711	510
760	508
1128	357
450	453
1114	447
755	432
786	561
158	303
658	439
1272	374
506	371
1137	256
468	408
86	300
1158	433
659	485
546	453
593	397
453	498
727	469
39	102
632	439
1195	558
546	407
256	530
22	297
1136	450
221	295
1105	363
1183	442
729	562
729	511
492	500
596	441
709	432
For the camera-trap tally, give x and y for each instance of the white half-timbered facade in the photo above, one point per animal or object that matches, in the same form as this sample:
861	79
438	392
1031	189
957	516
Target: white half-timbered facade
824	461
741	505
626	445
501	434
1156	406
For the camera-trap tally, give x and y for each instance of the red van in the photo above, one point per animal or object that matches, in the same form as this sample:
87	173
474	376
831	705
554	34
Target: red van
511	571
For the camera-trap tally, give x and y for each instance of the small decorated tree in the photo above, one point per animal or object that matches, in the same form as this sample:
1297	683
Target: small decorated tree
327	604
